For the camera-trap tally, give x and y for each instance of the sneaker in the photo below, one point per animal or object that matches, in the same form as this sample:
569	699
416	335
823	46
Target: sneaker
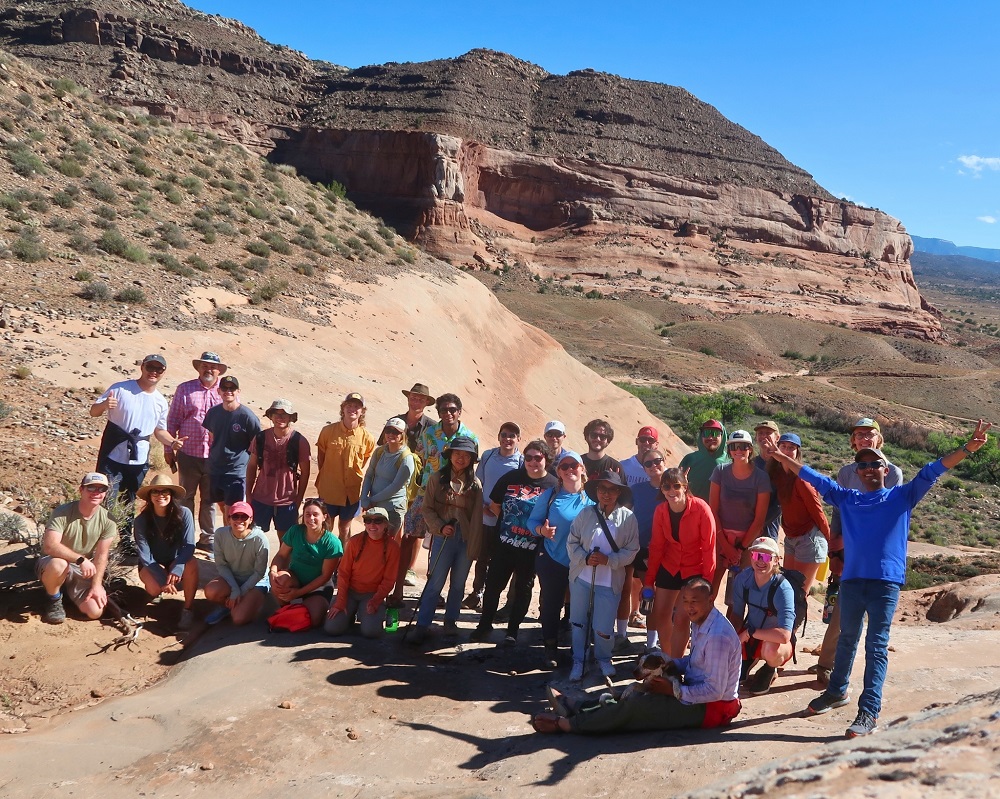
473	602
55	612
607	668
509	641
576	673
826	702
410	579
206	542
480	634
187	618
416	636
864	724
217	615
760	683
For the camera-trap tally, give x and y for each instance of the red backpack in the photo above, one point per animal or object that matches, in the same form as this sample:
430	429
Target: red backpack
290	619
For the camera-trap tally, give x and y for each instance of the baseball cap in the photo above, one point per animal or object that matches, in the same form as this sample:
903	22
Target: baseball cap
764	544
866	422
94	479
792	438
241	507
648	432
354	396
395	423
768	424
229	382
380	512
712	424
739	437
869	451
155	358
573	456
555	425
510	426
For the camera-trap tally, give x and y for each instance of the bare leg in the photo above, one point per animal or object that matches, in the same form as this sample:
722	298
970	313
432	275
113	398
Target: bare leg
189	582
248	607
54	575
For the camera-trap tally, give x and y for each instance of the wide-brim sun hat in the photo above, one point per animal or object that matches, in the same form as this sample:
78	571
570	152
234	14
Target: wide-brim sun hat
282	405
212	358
420	390
161	481
613	478
461	444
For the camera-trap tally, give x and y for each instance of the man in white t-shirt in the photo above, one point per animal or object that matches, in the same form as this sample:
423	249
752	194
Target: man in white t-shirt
136	412
635	473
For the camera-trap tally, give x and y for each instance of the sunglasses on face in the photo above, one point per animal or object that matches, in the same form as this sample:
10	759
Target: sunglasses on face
160	492
374	520
392	431
97	489
602	436
533	458
866	465
449	410
508	435
554	434
740	447
762	557
711	434
568	467
653	462
672	486
646	440
154	370
240	517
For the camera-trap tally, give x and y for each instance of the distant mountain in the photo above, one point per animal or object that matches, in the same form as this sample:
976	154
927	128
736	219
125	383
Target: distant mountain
945	247
934	268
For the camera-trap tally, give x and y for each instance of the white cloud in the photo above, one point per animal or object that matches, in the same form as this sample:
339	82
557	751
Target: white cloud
989	220
977	163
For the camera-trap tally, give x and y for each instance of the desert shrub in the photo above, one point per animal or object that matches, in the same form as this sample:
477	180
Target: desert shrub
173	196
114	243
257	264
132	185
23	160
65	198
198	263
22	372
25	99
171	233
267	291
201	172
192	184
106	212
355	244
171	264
336	191
69	167
96	290
277	242
387	233
305	269
229	266
256	211
133	295
225	315
29	248
83	275
141	167
102	190
82	244
39	204
258	248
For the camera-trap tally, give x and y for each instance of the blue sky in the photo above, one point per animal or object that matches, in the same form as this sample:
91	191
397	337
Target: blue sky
891	104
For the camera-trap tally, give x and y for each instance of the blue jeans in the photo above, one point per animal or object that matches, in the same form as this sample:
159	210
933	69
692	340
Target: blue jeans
603	622
448	556
877	599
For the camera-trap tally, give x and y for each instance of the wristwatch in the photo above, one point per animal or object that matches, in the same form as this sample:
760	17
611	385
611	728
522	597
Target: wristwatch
966	450
80	560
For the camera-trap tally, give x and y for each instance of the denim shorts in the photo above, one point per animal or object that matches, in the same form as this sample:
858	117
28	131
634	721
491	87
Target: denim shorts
809	548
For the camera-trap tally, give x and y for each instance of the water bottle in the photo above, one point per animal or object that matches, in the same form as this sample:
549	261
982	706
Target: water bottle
832	589
391	620
646	601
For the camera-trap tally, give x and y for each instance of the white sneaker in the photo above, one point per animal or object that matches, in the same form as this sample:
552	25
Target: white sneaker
576	673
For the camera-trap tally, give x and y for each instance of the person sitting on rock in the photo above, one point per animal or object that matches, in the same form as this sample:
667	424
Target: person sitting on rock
165	538
75	547
241	556
367	574
699	691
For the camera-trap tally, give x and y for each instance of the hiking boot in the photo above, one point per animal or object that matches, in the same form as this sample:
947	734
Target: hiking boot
410	579
416	636
54	612
760	683
473	602
864	724
551	654
502	616
480	634
826	702
187	618
576	673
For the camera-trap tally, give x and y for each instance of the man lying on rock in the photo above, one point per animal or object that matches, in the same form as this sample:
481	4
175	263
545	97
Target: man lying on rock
701	691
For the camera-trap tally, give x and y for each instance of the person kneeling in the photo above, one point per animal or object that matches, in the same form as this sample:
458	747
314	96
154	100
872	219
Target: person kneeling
367	574
306	560
241	555
700	693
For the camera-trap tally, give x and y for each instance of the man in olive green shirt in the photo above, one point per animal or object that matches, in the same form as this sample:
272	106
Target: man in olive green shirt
75	546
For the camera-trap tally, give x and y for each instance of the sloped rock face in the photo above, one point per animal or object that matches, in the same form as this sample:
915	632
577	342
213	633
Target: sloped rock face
486	160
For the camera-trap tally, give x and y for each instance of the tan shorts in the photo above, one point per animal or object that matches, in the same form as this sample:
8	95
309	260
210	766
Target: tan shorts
76	586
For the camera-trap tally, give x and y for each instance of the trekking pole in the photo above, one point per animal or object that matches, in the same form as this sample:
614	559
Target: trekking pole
590	616
430	572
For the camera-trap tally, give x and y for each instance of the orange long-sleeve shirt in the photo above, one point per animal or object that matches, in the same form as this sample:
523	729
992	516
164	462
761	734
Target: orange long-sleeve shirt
367	566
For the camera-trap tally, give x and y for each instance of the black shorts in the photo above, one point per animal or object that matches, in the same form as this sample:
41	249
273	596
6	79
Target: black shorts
641	562
668	581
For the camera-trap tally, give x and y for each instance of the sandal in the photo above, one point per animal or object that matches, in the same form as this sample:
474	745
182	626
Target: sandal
636	621
546	722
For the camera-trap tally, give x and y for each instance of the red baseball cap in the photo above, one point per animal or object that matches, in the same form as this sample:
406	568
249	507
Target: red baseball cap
712	424
648	432
241	507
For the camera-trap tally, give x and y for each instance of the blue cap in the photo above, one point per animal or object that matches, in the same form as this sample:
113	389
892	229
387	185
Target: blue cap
568	453
791	438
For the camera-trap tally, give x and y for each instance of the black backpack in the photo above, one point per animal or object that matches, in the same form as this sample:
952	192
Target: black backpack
797	580
291	451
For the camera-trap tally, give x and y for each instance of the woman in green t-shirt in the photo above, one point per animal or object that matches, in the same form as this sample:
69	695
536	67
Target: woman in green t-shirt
304	565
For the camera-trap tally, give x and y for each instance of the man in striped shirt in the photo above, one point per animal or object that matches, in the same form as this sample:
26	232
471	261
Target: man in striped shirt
187	410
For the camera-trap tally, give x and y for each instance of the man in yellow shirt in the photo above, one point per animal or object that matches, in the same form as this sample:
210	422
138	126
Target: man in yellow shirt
342	452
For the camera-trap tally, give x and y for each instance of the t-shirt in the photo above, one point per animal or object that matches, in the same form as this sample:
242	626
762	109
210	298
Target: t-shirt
79	534
276	484
232	433
491	467
738	498
560	512
138	410
750	601
603	464
516	493
645	498
772	521
635	472
307	559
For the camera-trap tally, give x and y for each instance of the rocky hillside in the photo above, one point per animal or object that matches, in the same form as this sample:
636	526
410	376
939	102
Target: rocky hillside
489	161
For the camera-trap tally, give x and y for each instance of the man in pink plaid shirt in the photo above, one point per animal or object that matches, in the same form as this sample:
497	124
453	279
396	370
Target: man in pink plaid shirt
187	410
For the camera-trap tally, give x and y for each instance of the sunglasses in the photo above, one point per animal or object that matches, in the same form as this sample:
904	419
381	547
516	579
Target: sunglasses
533	458
599	435
160	492
646	440
392	431
653	462
239	517
672	486
374	520
508	435
568	467
740	447
154	370
554	434
762	557
449	410
97	489
865	465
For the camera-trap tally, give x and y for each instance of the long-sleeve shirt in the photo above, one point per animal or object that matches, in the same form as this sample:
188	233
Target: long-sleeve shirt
187	411
801	507
560	513
342	454
386	478
154	548
586	532
875	524
241	562
367	567
712	670
688	551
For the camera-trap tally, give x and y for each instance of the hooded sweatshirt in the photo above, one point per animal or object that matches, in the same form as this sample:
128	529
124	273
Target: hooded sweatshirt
702	463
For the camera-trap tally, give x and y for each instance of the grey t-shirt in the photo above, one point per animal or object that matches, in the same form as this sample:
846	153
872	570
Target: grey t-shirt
738	498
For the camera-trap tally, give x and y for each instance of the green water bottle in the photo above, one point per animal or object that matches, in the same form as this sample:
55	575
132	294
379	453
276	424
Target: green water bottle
391	620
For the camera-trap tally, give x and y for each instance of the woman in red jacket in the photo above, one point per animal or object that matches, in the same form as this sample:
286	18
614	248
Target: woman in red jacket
682	546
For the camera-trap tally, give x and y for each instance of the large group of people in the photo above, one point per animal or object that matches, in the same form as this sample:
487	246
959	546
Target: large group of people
603	537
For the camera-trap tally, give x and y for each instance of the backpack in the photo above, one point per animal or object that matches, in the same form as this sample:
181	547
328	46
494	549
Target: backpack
413	486
291	451
797	580
290	619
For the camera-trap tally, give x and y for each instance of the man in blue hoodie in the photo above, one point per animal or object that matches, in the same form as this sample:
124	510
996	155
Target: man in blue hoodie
875	523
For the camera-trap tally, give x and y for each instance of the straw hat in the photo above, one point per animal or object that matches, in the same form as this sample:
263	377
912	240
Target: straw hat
161	481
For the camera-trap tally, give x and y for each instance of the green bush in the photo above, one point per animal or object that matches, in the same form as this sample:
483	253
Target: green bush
23	161
277	242
133	295
191	184
267	291
257	264
81	244
96	290
171	233
198	263
114	243
70	167
29	248
259	248
106	212
83	276
225	315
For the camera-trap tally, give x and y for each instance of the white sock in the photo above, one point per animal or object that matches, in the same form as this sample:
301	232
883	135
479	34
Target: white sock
652	639
622	627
